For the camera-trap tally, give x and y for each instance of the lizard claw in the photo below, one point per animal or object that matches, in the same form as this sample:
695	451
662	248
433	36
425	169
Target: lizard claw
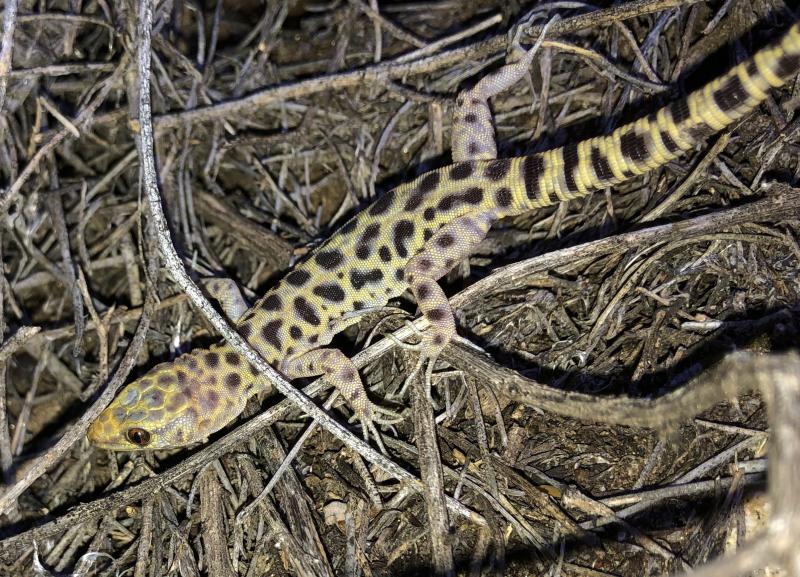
428	359
390	417
367	427
415	347
376	415
515	46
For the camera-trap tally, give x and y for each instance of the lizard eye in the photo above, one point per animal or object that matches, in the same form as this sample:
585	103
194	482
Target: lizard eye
139	436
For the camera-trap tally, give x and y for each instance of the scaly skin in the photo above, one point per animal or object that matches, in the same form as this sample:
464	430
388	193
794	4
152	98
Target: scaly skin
408	239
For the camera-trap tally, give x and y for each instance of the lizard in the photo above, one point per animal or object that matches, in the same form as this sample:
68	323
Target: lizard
408	239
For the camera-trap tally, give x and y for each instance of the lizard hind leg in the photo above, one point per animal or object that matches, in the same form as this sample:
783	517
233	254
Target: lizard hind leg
448	246
340	371
473	132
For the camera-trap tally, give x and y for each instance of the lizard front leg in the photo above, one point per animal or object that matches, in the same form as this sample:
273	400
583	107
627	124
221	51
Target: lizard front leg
340	371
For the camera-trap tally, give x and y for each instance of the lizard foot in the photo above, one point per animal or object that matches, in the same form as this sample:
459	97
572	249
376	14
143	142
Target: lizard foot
428	355
372	416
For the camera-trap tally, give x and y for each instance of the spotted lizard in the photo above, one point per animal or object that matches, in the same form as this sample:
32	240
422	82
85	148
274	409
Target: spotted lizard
408	239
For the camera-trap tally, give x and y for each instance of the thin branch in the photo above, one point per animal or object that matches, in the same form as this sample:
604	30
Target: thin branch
59	222
64	17
9	23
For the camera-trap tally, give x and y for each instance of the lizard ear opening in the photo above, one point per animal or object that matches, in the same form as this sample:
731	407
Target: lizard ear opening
139	436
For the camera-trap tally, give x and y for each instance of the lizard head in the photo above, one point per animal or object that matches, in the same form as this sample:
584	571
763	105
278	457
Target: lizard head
176	403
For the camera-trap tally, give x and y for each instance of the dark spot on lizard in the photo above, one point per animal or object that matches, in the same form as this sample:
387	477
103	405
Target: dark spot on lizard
634	147
402	232
245	330
423	291
424	264
360	278
212	360
427	184
385	253
532	169
461	170
497	169
473	195
436	314
295	332
329	259
210	401
270	333
602	168
233	381
330	292
382	205
271	303
349	227
445	240
298	278
154	398
413	201
364	244
503	197
447	202
306	311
